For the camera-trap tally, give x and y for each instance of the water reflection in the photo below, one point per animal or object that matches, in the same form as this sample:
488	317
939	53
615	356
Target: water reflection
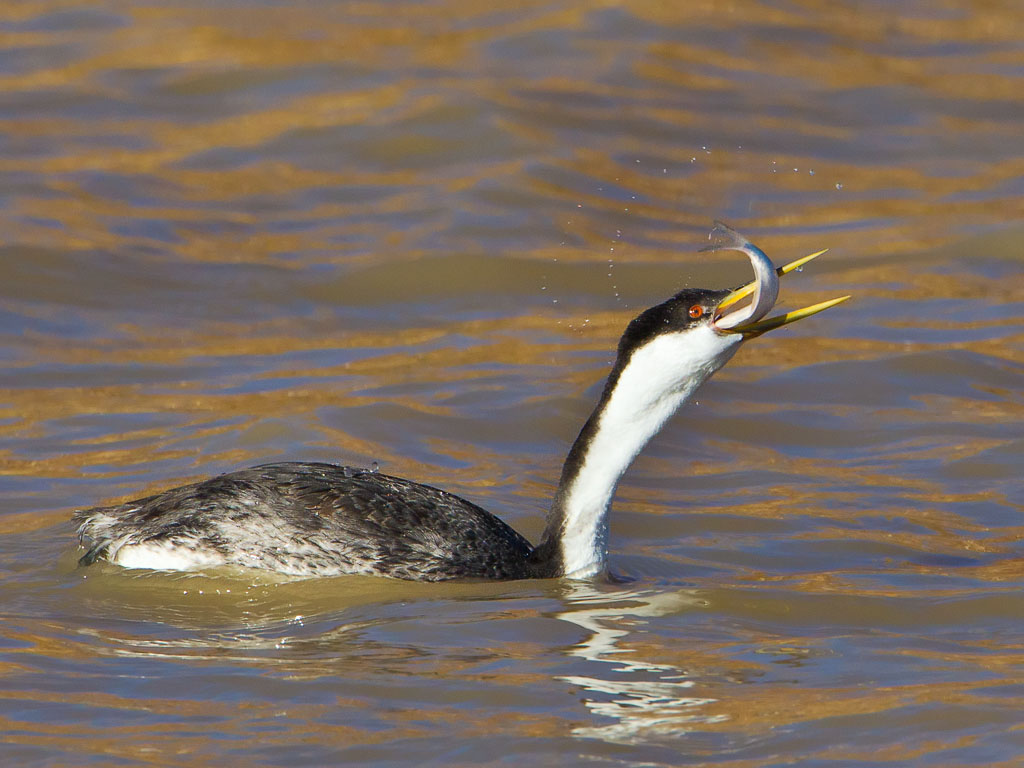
644	699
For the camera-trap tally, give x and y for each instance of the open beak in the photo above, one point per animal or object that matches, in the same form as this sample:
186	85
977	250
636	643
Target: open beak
749	319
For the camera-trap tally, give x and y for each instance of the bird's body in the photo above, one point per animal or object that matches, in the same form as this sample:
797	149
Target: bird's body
313	519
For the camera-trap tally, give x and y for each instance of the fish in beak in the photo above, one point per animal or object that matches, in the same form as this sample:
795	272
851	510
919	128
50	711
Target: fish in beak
748	319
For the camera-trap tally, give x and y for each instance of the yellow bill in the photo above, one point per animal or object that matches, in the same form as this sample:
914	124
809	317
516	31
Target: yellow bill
751	330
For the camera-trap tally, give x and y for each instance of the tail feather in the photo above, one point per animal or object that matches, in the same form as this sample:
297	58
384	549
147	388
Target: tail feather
94	533
96	552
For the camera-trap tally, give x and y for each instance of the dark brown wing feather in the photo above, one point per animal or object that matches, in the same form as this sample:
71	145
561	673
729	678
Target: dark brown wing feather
317	519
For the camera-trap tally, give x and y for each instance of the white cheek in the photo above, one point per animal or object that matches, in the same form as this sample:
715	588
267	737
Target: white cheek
669	366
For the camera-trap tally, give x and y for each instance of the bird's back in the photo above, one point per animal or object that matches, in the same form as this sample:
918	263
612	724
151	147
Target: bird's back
308	519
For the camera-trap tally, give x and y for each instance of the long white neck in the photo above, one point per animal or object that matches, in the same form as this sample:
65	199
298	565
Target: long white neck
655	380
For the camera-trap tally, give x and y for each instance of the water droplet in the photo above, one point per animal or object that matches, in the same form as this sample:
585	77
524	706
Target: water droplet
811	171
839	186
554	301
800	269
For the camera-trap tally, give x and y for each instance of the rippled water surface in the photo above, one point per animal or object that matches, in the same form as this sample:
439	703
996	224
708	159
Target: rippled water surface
410	233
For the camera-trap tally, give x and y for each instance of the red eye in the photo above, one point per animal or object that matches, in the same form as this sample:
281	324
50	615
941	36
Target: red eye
696	311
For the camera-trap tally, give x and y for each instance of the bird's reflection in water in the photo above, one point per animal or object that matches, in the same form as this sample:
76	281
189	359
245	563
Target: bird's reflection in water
644	700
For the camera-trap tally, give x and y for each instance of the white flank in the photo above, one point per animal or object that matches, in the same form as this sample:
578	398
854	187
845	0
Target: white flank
659	378
164	556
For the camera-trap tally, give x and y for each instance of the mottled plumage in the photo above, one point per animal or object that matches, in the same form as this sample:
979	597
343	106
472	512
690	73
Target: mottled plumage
311	519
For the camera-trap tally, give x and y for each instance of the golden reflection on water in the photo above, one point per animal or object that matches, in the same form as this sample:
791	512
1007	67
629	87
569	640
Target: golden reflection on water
411	234
200	58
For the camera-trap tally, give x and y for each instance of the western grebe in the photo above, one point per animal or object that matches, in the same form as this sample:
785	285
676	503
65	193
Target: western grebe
313	519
